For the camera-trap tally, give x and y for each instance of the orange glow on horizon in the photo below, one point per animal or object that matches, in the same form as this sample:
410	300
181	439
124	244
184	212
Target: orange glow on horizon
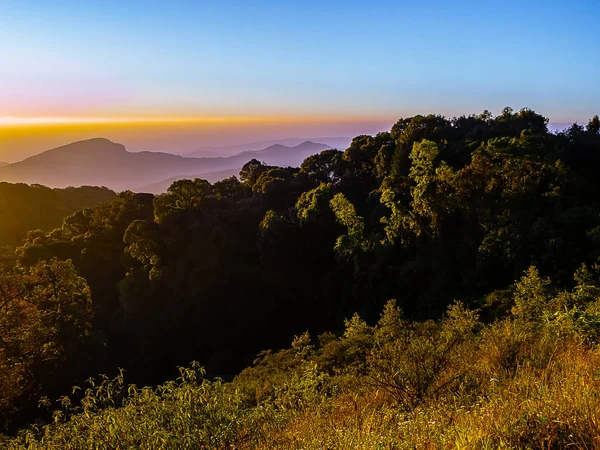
24	136
198	120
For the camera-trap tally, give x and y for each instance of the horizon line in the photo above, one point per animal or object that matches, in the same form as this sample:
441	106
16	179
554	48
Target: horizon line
21	121
65	120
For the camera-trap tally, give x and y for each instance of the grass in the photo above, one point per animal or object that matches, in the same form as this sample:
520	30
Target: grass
528	380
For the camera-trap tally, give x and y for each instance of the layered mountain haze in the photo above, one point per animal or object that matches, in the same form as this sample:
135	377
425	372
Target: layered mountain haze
100	162
281	155
212	177
276	155
341	143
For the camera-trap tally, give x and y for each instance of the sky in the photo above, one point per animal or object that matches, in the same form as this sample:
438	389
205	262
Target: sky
176	75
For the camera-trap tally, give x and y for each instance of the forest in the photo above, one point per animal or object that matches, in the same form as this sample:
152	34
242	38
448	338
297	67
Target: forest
439	285
25	208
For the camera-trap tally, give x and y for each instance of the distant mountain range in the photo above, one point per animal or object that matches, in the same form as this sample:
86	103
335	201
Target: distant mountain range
2	164
100	162
212	177
341	143
275	155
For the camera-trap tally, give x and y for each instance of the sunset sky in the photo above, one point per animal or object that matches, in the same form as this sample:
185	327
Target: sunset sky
176	76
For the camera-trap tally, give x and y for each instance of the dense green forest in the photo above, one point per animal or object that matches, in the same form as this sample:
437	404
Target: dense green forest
24	208
496	212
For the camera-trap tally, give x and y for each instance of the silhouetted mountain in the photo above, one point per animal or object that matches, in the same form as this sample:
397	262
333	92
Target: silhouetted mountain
559	126
206	154
341	143
100	162
276	155
281	155
211	177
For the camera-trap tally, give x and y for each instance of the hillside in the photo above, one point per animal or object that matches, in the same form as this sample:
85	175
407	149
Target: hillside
340	143
526	381
101	162
275	155
211	177
497	212
281	155
24	208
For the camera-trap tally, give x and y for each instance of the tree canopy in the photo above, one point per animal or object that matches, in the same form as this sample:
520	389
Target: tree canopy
434	210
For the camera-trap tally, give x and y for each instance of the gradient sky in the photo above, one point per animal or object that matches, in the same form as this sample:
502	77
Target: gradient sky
268	69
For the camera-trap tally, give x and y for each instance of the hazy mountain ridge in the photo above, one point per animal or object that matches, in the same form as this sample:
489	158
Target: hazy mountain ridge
281	155
101	162
2	164
278	155
212	177
341	143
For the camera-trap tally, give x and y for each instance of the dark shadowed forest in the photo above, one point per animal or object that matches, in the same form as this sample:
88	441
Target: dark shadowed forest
498	213
25	208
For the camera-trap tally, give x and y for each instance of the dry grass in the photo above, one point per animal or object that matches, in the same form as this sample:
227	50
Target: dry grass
526	381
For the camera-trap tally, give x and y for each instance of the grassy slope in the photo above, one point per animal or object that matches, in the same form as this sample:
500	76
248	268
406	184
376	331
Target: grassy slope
529	380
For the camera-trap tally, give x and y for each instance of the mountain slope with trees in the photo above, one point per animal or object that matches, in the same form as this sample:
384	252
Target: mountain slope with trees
101	162
25	208
274	155
528	380
435	210
341	143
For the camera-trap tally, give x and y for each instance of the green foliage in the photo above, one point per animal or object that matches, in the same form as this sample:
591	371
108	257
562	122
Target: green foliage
346	215
531	296
182	195
45	324
252	171
271	219
323	168
24	208
189	413
456	382
434	210
313	205
422	361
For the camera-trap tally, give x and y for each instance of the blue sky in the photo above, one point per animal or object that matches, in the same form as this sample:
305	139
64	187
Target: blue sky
349	59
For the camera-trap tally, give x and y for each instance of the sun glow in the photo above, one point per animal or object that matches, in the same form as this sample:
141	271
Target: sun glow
23	136
23	121
15	121
49	120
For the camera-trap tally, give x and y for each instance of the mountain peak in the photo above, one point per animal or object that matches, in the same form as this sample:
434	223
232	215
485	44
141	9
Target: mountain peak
92	144
104	163
96	148
311	143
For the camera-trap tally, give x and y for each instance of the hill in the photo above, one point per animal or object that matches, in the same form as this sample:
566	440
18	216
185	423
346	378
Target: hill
495	211
340	143
24	208
275	155
525	381
101	162
281	155
211	177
